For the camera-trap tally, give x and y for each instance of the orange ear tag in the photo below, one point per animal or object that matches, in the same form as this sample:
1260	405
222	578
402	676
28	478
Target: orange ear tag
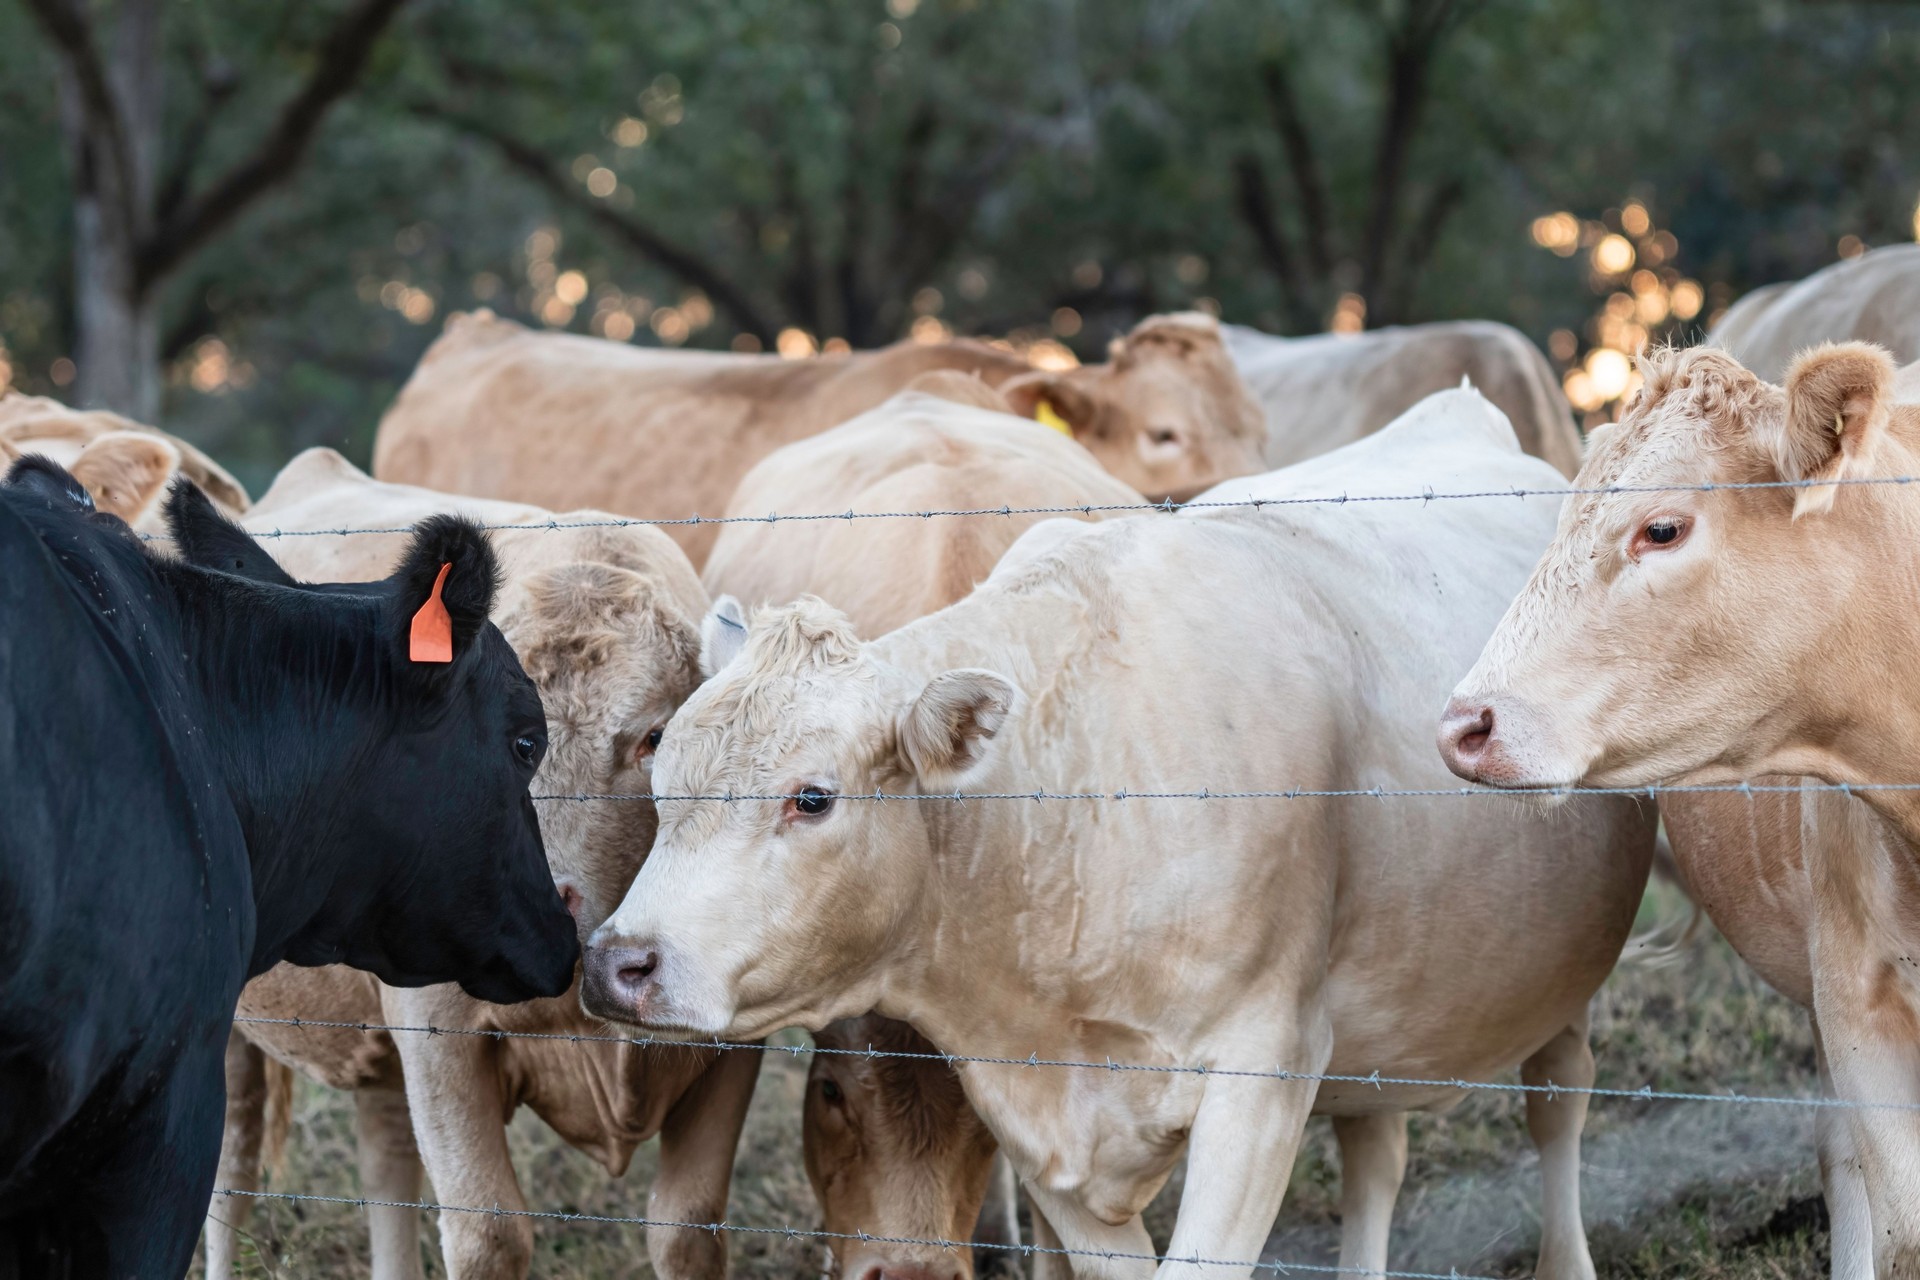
432	636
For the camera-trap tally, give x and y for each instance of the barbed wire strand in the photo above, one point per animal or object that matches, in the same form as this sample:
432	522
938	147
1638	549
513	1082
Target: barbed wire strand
1375	1080
1168	507
861	1237
1651	791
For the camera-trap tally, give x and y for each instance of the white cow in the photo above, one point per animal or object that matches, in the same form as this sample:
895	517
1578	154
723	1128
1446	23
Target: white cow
1321	392
1874	297
1239	650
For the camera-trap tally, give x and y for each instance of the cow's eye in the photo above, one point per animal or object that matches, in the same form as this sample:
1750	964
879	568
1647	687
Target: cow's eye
1662	532
1163	435
829	1090
649	744
809	802
527	749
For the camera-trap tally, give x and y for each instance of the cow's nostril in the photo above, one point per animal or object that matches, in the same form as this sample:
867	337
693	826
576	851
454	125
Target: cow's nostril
874	1272
637	970
1475	735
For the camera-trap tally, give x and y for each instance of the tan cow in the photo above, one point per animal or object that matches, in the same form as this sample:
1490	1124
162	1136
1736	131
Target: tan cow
604	620
1874	297
1672	634
124	465
897	1151
1299	646
1321	392
560	420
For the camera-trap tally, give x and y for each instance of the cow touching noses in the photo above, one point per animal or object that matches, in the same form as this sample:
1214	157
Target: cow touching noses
437	869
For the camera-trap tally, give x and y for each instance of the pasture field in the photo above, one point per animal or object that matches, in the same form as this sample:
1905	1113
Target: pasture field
1707	1191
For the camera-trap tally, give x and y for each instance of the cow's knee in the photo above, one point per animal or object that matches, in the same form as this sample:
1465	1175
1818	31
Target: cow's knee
484	1246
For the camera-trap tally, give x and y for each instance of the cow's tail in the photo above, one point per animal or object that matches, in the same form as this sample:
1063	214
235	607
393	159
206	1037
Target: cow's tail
1670	939
279	1117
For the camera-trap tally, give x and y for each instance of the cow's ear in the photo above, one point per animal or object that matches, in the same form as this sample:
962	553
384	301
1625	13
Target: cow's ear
1838	396
723	634
1051	399
443	591
126	470
207	538
947	732
48	480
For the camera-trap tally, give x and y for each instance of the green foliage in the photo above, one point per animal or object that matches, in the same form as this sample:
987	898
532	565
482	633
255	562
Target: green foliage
845	168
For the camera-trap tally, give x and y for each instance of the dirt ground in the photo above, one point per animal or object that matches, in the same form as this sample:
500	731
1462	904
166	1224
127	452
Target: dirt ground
1708	1191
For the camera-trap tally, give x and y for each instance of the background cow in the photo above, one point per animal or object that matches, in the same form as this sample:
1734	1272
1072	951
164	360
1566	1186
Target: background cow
126	467
1874	297
1784	620
209	770
1434	938
497	411
1325	391
605	620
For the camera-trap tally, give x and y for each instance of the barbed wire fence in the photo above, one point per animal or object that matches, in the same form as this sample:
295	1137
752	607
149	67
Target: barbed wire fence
1148	793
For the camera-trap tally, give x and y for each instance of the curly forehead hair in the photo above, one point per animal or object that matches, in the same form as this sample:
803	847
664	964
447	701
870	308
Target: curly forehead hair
1705	379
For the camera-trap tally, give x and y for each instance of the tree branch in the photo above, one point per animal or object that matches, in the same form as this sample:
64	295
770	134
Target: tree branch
1256	210
342	57
1421	242
218	84
624	227
1305	165
1410	54
67	26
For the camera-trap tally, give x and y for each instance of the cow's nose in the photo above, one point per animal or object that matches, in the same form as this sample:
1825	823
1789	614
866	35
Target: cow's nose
1466	737
618	980
913	1271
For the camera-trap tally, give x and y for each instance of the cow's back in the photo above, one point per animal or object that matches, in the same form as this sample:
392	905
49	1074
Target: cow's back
917	452
1874	297
126	915
563	421
1325	391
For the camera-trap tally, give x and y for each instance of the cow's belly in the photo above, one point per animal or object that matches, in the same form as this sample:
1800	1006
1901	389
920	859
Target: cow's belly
1459	959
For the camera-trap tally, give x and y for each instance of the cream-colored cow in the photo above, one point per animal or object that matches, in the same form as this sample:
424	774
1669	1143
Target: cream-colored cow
124	465
1300	646
561	420
604	620
1874	298
924	450
896	1152
1321	392
1672	634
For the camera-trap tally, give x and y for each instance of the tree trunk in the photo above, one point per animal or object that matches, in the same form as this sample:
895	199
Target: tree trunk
117	337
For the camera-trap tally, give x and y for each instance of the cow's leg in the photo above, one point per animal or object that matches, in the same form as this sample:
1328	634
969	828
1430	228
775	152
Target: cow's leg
147	1203
1850	1237
1239	1156
1088	1240
454	1093
698	1138
1879	1147
1048	1263
999	1221
1555	1120
1373	1163
246	1068
389	1171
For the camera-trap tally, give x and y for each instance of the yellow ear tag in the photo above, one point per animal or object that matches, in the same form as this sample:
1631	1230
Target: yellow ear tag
1046	416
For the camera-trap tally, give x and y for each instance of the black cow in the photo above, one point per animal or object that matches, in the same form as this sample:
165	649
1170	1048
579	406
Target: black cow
206	769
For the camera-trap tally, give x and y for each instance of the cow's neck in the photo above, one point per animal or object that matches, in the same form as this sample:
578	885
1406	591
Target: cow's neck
987	855
1860	724
283	685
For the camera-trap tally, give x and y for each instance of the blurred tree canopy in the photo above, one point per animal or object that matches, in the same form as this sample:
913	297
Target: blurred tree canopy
723	172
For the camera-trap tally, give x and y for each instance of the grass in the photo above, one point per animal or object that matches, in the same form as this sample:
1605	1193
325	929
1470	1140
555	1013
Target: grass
1698	1190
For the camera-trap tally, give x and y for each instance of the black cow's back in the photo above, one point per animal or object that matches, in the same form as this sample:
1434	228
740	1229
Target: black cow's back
126	911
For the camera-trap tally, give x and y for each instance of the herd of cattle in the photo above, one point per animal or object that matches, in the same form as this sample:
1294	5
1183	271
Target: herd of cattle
365	752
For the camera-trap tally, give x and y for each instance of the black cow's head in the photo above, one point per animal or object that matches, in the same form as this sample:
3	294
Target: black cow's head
438	872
